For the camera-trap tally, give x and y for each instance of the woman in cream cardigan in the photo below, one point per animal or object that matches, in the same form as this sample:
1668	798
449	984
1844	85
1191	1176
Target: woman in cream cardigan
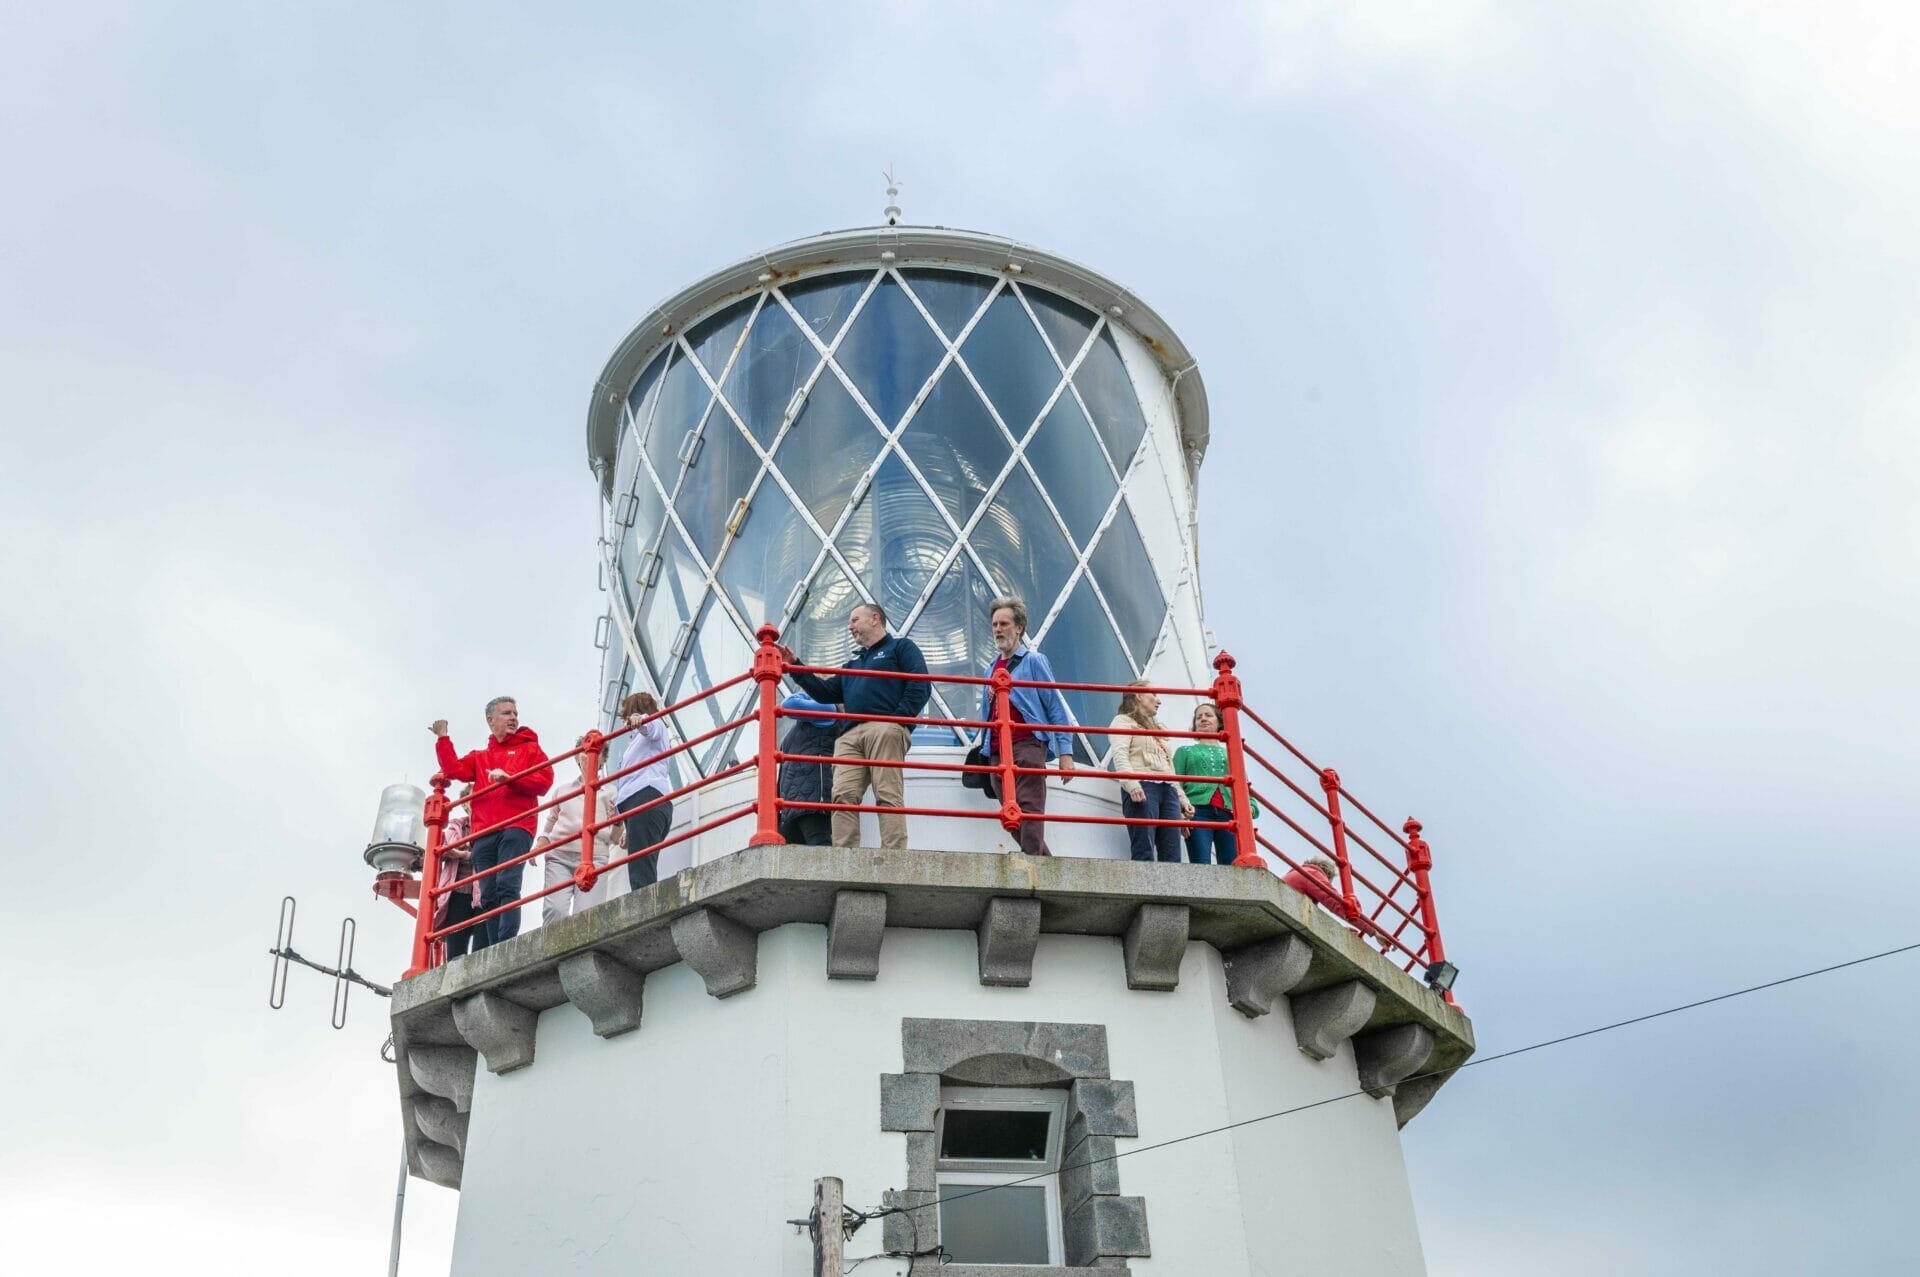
1150	799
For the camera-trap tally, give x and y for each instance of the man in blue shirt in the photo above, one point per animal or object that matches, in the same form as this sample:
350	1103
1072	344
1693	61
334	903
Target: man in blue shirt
1031	748
862	744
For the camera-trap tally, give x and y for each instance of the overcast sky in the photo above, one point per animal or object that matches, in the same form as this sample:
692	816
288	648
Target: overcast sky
1562	492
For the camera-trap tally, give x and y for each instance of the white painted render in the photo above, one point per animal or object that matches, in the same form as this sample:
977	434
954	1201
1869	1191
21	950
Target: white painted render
681	1148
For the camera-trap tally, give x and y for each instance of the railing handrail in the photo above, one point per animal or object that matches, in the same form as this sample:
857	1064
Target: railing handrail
769	669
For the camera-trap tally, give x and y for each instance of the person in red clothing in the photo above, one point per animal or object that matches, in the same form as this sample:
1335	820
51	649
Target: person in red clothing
1316	880
509	774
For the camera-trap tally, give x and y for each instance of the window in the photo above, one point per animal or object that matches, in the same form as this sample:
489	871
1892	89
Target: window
987	1137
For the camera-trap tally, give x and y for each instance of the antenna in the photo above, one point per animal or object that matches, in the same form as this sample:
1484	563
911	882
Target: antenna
892	210
344	976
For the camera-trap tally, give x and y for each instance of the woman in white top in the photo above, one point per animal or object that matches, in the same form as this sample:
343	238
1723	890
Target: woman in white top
645	828
559	841
1148	799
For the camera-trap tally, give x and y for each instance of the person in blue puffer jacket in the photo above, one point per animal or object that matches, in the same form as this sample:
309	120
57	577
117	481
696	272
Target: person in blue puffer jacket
807	782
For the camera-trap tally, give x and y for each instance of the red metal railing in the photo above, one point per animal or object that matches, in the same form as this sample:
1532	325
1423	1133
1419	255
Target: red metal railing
1386	897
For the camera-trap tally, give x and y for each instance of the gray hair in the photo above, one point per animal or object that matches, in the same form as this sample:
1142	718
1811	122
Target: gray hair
499	701
1013	603
879	613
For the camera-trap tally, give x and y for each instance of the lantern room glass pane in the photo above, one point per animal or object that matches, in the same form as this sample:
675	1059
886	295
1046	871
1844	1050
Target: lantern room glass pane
825	301
1103	382
1082	649
683	403
1011	363
950	296
721	473
830	446
714	337
1066	456
956	444
640	398
818	635
773	550
954	632
895	539
1126	576
889	352
1068	324
775	363
1022	546
675	595
720	651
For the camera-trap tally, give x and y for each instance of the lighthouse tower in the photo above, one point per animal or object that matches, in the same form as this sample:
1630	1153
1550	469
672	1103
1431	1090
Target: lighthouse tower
990	1051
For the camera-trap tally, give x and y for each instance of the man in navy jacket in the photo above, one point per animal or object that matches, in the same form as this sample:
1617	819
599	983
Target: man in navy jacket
862	744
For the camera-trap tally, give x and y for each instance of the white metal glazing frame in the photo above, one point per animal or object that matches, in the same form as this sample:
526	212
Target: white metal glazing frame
709	596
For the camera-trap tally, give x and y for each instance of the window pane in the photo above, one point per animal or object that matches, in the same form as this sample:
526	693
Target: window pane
640	398
889	352
895	539
1067	323
825	301
719	652
1004	1226
1082	649
1115	409
950	296
769	557
675	594
818	635
1072	469
830	446
683	402
954	633
1126	577
774	364
1023	547
974	1135
956	445
1011	363
714	337
720	475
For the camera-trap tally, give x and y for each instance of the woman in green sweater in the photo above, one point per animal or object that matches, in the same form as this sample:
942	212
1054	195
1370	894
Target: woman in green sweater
1211	801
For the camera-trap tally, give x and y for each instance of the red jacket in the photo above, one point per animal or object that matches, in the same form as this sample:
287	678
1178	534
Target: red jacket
1313	884
501	802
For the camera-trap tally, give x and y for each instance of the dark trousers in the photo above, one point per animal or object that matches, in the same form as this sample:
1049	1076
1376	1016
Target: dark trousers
808	828
500	888
645	829
1160	802
459	909
1031	793
1211	846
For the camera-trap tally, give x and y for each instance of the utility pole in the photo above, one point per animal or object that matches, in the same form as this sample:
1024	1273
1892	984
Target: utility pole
826	1225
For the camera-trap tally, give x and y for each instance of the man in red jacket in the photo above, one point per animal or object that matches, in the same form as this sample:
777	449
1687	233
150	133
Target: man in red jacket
509	774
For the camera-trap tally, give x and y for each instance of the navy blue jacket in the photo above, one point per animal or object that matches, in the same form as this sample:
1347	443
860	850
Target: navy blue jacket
904	698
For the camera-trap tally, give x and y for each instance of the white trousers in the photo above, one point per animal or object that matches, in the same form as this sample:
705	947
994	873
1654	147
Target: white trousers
561	861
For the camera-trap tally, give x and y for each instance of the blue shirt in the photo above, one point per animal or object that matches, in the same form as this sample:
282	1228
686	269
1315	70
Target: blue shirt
1036	704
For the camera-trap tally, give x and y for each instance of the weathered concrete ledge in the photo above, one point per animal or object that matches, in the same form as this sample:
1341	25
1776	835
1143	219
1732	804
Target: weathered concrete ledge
482	1010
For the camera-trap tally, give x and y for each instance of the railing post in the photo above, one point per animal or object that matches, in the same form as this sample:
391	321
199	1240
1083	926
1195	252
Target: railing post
767	672
1011	817
1226	695
429	876
586	875
1419	861
1330	785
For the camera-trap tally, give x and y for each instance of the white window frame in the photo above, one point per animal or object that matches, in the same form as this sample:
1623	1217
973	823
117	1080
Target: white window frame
1043	1174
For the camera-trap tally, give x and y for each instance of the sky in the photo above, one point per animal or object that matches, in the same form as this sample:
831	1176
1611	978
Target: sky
1564	373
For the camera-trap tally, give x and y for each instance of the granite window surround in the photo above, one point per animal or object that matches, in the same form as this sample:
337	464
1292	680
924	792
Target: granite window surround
1100	1227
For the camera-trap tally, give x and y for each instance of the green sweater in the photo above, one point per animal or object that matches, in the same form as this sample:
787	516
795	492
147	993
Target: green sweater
1205	758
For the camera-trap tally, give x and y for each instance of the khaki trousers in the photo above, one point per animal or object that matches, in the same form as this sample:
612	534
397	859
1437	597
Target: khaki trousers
887	741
